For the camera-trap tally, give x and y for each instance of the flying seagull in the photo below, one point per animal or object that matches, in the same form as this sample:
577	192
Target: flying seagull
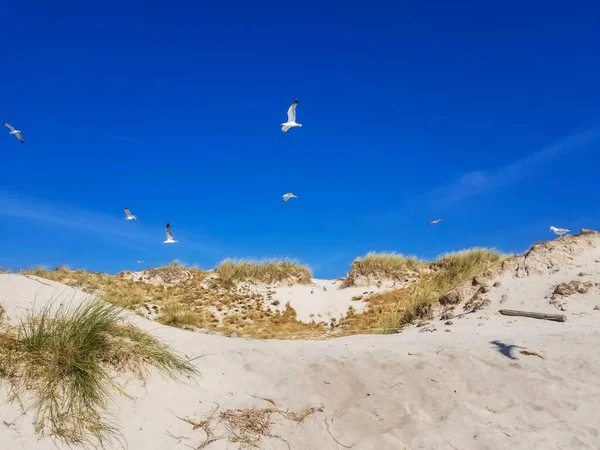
559	231
17	133
291	122
140	261
287	196
434	222
170	239
128	215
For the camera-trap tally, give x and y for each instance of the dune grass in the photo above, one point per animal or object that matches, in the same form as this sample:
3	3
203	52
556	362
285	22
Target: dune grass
118	291
393	309
195	300
272	270
182	315
58	363
261	324
183	297
383	265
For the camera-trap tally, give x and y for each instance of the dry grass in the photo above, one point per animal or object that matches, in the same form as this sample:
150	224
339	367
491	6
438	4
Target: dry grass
59	365
195	300
187	298
393	309
274	325
114	289
275	270
247	426
393	266
183	315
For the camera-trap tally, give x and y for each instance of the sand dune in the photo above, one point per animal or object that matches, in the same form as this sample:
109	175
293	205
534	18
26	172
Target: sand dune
465	385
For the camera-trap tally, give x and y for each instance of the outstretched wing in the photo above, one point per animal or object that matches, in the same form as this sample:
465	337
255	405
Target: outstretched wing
19	137
292	111
168	232
127	212
9	126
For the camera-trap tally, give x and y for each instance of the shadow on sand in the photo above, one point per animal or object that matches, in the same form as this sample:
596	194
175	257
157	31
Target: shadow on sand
505	349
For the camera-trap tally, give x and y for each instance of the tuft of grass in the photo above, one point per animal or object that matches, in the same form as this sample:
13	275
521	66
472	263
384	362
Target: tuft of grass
394	309
273	270
383	265
180	315
62	361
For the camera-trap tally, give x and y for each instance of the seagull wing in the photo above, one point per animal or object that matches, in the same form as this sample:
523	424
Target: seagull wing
168	232
9	126
19	137
292	111
127	212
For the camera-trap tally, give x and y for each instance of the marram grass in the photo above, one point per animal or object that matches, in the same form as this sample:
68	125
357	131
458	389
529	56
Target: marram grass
59	364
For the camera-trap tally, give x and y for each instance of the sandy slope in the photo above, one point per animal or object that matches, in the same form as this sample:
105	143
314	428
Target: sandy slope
469	388
319	301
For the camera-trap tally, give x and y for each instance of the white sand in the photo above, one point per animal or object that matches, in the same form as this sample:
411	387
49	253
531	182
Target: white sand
319	301
464	389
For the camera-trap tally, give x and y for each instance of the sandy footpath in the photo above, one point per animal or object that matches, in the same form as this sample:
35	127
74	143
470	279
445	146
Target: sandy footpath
468	388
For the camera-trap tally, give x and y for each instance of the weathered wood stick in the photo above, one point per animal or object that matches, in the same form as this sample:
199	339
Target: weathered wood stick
534	315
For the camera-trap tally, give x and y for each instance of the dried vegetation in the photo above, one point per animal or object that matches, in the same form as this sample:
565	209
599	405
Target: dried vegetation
383	266
391	310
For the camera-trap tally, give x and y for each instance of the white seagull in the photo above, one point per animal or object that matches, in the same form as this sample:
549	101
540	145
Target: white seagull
17	133
434	222
291	122
287	196
140	261
559	231
170	239
128	215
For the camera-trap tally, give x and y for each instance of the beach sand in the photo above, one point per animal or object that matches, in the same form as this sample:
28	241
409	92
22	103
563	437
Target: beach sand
464	386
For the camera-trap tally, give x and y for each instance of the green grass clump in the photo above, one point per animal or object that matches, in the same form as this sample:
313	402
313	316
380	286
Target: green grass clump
273	270
393	309
62	362
383	265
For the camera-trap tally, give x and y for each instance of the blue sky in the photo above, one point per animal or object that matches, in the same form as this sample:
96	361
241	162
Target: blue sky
486	115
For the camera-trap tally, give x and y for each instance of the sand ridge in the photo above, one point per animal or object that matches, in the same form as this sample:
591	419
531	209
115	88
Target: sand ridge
464	383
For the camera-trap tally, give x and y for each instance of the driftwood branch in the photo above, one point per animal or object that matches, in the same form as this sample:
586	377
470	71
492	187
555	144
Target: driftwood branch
534	315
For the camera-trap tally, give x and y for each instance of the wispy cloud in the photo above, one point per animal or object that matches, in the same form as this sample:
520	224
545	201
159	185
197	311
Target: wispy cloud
478	181
136	236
